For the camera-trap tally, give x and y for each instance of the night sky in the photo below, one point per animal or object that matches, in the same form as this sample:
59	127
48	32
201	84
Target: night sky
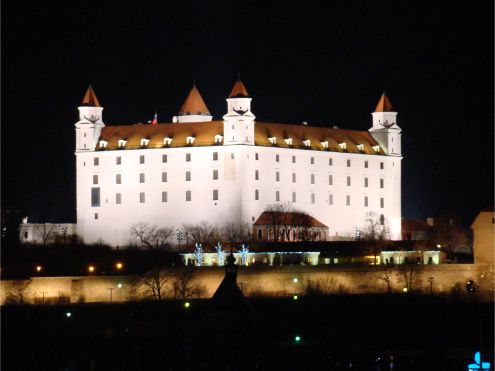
322	63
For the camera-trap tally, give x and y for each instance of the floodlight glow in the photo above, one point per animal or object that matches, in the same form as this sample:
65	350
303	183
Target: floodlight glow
38	268
297	338
404	289
187	304
119	285
91	269
119	265
68	314
295	280
295	297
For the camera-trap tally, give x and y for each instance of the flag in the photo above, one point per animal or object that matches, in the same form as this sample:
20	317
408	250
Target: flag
155	119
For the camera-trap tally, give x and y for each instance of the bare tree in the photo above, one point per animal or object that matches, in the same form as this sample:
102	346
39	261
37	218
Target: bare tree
203	232
45	232
152	284
376	231
186	284
304	224
152	236
410	275
236	232
325	286
17	291
384	273
278	215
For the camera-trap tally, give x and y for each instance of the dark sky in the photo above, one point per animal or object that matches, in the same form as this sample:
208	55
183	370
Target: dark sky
301	61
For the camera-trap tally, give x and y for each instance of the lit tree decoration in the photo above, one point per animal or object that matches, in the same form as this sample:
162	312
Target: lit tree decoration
198	254
244	252
220	254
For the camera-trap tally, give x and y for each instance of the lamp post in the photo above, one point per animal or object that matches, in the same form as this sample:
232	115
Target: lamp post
111	292
180	235
430	281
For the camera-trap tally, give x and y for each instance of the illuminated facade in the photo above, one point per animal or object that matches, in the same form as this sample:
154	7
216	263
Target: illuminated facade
196	168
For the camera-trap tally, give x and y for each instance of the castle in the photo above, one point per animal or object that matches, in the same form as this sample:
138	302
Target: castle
196	168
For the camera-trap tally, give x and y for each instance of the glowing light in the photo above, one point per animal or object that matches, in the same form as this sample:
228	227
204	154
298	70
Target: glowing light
404	289
119	265
295	297
295	280
68	314
91	269
38	268
439	246
297	338
187	304
119	285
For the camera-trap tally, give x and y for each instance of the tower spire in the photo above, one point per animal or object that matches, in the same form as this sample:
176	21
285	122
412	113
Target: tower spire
384	104
194	108
90	99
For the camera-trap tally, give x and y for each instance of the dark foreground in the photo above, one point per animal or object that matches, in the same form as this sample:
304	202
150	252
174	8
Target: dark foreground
336	333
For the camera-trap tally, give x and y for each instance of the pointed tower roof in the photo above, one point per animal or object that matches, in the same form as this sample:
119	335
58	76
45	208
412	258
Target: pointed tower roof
384	104
239	90
90	98
194	104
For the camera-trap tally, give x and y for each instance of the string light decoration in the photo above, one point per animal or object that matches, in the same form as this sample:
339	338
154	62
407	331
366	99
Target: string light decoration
220	254
198	254
244	253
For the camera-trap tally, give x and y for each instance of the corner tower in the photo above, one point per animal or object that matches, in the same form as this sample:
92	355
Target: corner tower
238	122
194	108
90	123
385	129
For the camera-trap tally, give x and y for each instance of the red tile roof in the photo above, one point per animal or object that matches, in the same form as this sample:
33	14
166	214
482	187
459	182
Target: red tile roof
291	218
90	98
194	104
384	104
239	90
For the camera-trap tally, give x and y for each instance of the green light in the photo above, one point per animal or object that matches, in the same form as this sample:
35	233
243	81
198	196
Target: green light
297	338
295	297
187	304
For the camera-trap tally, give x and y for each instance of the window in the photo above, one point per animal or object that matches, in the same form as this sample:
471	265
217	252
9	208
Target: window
277	196
215	174
277	176
313	198
118	178
330	179
164	158
141	159
382	202
312	161
293	159
256	175
260	234
142	198
96	216
382	183
256	156
188	157
215	156
330	199
348	163
366	164
215	195
348	200
277	158
381	165
118	160
164	196
141	177
118	198
293	196
95	179
293	177
312	179
95	196
232	156
188	176
366	182
188	195
365	201
382	219
348	180
96	161
330	162
256	194
164	177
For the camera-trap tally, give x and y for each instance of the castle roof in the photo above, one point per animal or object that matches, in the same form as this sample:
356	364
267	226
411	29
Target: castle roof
288	218
287	136
194	104
239	90
90	98
384	104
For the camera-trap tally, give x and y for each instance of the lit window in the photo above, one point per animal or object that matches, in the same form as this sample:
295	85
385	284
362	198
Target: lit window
293	196
188	176
330	199
164	196
190	140
348	181
164	158
164	176
312	160
288	141
96	161
215	174
256	175
382	202
218	138
330	179
343	145
215	156
122	143
376	149
366	164
366	182
256	194
141	159
348	200
365	201
277	176
118	198
293	177
307	142
330	162
188	195
312	179
141	177
293	159
360	147
324	144
382	183
167	141
277	158
144	142
313	198
215	195
381	165
256	156
118	160
142	197
188	157
95	179
277	196
348	163
118	178
272	140
95	197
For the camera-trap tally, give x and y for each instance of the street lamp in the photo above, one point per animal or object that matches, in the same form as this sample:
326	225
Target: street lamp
39	268
119	265
180	235
91	268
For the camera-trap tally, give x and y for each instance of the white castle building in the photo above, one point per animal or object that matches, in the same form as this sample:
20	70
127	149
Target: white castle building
195	169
